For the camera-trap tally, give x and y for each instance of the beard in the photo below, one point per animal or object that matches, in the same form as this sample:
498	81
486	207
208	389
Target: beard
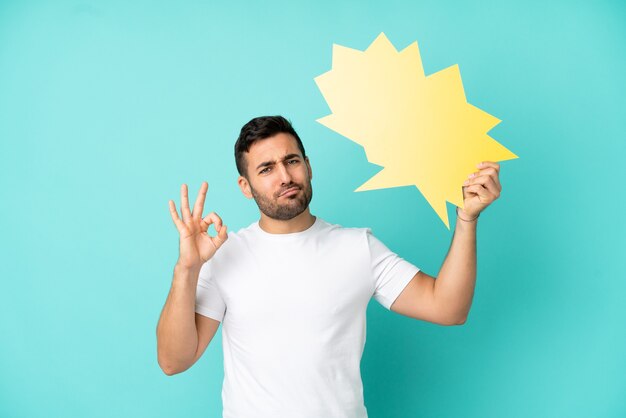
291	206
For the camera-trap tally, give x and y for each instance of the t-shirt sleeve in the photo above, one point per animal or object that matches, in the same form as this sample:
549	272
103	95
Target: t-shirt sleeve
209	302
391	272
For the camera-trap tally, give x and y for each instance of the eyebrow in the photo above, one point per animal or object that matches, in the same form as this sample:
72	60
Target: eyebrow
286	157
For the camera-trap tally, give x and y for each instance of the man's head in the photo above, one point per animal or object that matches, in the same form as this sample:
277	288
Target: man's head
271	159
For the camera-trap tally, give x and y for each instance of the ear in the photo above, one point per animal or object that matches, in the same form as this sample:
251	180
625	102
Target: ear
245	187
308	165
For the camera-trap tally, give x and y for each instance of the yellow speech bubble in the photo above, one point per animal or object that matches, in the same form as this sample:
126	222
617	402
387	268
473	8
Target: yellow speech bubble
419	128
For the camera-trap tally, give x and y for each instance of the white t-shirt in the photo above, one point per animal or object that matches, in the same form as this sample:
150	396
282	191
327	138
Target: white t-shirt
293	310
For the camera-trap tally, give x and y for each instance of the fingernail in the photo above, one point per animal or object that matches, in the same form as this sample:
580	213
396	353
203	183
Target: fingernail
479	165
466	182
471	175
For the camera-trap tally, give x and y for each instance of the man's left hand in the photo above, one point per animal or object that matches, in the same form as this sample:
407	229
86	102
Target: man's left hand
480	189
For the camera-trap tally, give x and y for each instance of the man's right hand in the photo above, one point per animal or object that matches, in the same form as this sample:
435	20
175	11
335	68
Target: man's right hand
196	245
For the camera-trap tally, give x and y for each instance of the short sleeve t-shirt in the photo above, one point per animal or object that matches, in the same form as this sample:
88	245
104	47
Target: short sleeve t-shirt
293	310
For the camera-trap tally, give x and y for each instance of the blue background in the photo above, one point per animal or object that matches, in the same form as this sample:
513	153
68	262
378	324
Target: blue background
106	108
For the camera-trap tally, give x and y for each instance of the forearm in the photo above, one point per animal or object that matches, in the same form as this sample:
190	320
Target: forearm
177	335
454	287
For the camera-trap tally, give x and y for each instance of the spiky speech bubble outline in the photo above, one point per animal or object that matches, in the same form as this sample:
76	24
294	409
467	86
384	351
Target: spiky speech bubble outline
419	128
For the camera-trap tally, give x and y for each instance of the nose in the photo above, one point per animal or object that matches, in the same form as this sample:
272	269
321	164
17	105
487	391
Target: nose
285	176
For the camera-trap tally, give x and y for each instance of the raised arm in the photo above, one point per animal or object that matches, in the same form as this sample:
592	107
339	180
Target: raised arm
447	299
183	335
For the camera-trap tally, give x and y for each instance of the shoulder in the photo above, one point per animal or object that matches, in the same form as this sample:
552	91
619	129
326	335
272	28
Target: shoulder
339	231
356	237
240	234
232	246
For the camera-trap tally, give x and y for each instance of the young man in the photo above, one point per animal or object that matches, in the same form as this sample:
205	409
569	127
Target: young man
292	289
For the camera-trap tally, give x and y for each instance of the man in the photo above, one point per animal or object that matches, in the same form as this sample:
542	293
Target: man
292	290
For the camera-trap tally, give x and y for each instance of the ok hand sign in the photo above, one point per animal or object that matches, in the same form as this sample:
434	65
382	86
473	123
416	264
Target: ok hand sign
196	245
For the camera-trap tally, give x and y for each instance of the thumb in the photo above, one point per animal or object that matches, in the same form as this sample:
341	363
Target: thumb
205	223
222	233
221	237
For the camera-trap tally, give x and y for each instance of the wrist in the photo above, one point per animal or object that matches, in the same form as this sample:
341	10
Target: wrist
462	215
185	272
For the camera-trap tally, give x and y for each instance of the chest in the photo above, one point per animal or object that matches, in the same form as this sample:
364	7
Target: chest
313	287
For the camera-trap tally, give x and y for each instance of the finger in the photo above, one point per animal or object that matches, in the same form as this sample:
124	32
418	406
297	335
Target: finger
483	194
211	218
488	172
469	193
174	214
486	181
184	203
493	173
199	205
205	223
221	237
486	164
491	185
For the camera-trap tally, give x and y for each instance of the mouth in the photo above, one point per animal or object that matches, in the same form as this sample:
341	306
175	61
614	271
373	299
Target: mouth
290	191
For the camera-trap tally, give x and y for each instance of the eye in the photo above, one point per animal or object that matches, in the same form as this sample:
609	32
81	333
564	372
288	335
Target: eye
264	170
293	161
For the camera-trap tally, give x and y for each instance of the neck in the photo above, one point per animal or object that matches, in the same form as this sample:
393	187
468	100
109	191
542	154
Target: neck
297	224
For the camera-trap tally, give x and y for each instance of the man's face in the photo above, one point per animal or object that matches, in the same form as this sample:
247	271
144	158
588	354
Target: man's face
275	165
